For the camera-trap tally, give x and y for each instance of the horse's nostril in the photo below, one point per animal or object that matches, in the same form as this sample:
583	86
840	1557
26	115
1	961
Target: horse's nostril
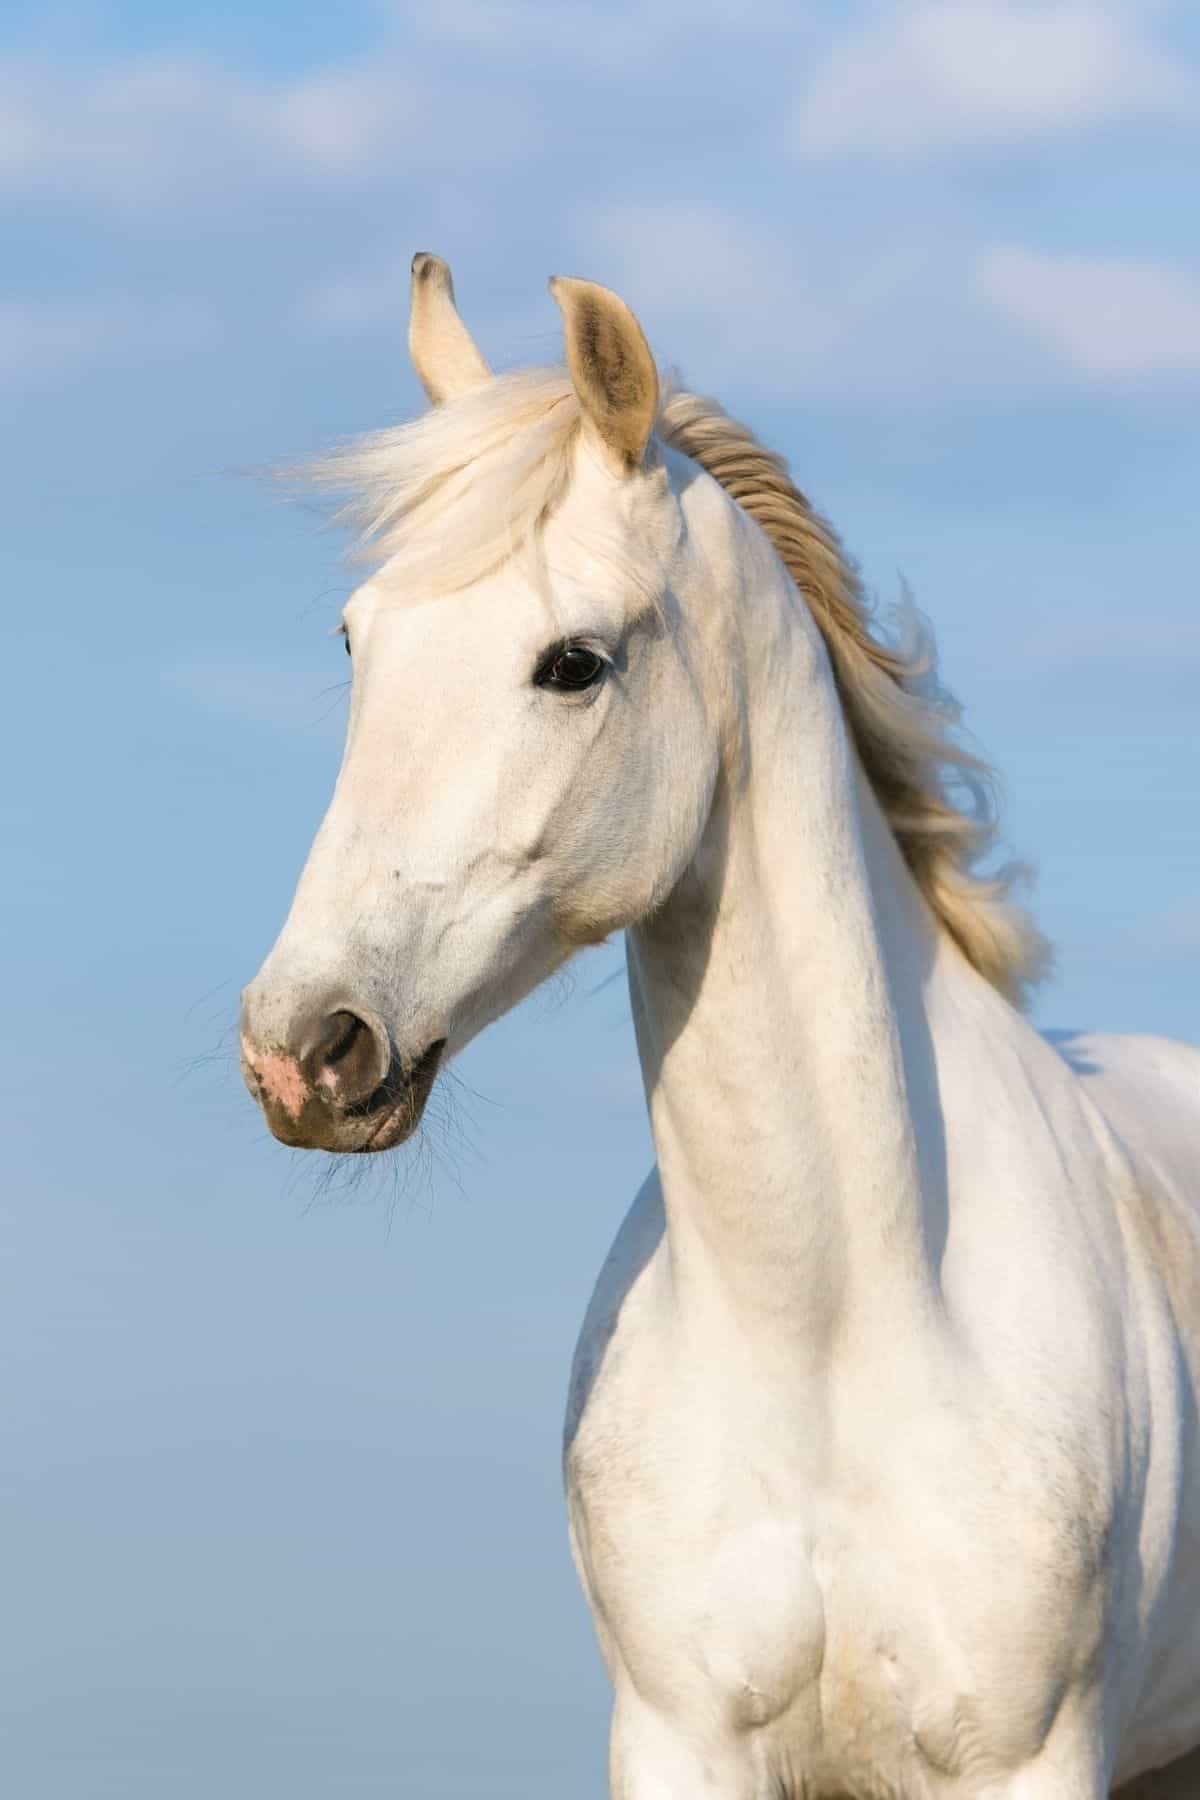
347	1057
342	1030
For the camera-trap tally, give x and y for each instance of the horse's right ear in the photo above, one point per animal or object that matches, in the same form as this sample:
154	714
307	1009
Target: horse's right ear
611	368
444	353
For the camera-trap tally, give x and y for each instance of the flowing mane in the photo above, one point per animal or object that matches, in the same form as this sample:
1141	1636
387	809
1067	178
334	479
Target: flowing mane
457	491
901	719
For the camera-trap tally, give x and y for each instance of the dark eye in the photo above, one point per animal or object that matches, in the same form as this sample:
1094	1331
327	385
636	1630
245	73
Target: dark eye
346	640
569	667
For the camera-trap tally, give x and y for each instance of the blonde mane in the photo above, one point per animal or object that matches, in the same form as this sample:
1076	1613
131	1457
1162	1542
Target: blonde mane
938	798
459	490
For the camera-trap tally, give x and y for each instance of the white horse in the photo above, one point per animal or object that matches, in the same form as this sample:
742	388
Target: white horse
882	1454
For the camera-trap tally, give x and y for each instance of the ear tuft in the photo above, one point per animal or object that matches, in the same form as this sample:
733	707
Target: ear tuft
444	353
611	366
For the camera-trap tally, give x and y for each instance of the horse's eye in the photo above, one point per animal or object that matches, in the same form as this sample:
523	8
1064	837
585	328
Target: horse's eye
570	667
346	641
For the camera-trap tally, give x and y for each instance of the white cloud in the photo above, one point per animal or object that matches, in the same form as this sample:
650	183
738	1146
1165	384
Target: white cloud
1108	321
61	332
885	327
220	214
738	278
210	210
941	75
171	127
730	297
620	39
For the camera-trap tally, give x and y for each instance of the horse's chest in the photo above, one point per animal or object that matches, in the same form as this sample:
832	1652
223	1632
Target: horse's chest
715	1596
835	1628
744	1621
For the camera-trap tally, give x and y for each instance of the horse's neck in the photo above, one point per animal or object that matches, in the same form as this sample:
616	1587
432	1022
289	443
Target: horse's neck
779	998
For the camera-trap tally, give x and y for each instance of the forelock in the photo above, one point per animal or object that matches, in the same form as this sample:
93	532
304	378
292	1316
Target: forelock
453	494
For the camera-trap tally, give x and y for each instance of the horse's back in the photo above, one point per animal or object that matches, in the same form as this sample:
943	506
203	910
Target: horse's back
1148	1089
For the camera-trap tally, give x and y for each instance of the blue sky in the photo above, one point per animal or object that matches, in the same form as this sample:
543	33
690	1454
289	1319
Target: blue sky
283	1511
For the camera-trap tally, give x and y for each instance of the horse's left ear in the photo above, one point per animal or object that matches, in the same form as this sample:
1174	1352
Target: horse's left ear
611	367
445	355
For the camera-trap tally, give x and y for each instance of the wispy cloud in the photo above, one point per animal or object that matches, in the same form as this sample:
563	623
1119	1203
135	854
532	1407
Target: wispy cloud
890	323
169	206
1105	320
183	132
62	331
744	295
256	226
625	40
137	128
952	75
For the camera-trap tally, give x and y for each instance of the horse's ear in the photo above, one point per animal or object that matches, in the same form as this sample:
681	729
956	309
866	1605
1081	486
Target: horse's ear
611	367
444	353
